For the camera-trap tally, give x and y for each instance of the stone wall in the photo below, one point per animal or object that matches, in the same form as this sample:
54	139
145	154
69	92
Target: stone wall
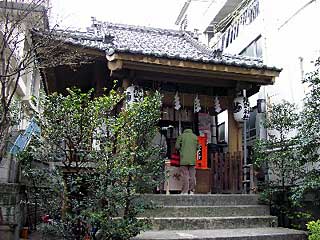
4	166
11	211
9	170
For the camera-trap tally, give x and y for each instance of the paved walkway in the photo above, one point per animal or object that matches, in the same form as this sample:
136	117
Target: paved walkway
37	236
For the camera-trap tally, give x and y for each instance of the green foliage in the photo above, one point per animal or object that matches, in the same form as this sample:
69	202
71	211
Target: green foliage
280	151
311	182
44	186
309	134
9	118
314	229
290	152
310	121
106	157
282	118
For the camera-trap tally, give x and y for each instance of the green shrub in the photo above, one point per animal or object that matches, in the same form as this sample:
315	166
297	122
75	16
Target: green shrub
314	229
107	159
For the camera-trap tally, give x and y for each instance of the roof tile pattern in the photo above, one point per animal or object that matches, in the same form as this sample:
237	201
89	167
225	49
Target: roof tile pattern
163	43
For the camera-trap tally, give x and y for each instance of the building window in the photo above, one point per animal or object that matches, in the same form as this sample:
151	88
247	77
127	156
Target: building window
221	133
251	125
254	49
242	18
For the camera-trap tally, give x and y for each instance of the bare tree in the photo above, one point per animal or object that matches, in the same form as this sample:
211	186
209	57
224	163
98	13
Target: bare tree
17	54
26	39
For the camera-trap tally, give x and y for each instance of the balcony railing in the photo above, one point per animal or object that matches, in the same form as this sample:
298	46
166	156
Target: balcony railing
239	22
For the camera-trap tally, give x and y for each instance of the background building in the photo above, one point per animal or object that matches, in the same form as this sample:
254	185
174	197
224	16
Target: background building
23	18
278	32
22	80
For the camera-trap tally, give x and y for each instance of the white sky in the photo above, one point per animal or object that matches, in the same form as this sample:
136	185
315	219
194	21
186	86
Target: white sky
154	13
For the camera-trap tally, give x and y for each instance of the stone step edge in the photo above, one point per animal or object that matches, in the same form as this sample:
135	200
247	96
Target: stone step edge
202	199
202	194
211	218
212	206
240	233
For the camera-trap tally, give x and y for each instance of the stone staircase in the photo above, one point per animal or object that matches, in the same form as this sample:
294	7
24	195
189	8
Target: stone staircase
216	216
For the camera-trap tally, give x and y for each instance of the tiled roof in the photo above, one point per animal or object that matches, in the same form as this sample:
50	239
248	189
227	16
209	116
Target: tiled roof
164	43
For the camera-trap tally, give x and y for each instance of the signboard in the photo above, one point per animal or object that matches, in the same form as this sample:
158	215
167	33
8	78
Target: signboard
202	153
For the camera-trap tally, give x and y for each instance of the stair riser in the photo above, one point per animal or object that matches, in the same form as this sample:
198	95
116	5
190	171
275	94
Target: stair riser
224	223
203	200
228	211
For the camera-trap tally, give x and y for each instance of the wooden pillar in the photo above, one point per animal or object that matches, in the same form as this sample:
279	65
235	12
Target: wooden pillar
99	78
125	83
234	130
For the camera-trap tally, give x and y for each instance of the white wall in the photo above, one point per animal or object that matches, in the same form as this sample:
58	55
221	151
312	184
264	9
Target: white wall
200	14
290	40
292	43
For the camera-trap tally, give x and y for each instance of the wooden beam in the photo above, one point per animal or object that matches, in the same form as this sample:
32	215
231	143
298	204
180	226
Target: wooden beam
188	84
166	77
130	59
198	73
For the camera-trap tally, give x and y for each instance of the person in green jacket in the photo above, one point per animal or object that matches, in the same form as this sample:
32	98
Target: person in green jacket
187	145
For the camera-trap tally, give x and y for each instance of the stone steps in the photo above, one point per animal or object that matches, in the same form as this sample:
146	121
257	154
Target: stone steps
209	211
195	223
226	234
202	199
216	216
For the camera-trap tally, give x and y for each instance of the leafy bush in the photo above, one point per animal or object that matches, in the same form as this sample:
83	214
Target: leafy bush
290	153
281	155
314	229
106	158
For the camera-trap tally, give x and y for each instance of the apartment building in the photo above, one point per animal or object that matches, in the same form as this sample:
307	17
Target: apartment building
281	33
21	79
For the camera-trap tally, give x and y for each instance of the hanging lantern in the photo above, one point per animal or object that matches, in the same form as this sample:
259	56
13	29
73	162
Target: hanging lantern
196	104
176	101
241	109
134	94
217	107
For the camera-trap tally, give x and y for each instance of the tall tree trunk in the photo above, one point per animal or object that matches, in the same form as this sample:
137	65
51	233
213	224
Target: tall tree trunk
4	137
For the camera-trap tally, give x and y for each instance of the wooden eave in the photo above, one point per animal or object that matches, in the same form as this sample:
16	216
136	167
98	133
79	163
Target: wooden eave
48	72
199	71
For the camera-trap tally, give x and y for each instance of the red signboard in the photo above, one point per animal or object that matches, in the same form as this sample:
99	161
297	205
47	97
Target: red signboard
202	153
